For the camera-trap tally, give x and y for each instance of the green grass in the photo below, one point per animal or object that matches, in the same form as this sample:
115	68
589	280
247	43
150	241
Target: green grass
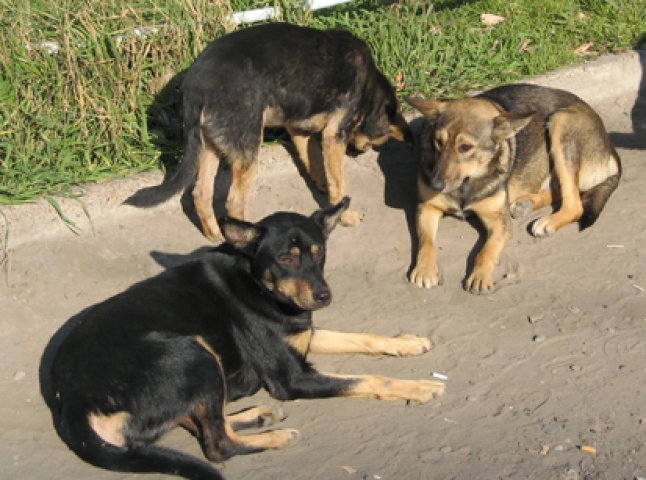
97	108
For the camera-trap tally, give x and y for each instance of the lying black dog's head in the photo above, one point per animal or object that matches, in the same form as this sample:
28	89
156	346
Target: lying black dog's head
287	253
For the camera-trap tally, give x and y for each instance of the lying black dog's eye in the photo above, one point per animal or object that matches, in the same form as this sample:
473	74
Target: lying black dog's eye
317	252
464	148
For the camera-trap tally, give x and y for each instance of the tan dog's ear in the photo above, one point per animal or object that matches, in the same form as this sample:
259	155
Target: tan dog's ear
509	124
431	109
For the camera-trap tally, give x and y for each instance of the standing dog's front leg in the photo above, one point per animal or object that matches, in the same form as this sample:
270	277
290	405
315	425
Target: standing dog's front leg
494	214
311	157
335	145
328	341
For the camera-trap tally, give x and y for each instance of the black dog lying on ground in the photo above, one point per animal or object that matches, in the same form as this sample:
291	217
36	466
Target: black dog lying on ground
278	75
175	349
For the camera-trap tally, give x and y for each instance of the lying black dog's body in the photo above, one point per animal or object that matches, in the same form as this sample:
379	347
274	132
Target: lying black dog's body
174	349
278	75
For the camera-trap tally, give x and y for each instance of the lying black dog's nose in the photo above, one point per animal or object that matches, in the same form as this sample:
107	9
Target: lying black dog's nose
322	296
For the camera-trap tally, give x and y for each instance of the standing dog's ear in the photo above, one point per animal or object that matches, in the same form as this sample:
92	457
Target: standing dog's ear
508	124
431	109
328	217
242	235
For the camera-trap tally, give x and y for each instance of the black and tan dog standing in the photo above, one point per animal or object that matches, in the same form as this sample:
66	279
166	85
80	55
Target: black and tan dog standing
278	75
175	349
501	155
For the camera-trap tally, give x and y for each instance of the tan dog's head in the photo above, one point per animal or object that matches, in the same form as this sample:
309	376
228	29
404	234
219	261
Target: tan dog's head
465	137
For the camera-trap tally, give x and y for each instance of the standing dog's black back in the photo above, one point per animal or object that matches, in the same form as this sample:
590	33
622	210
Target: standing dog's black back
307	80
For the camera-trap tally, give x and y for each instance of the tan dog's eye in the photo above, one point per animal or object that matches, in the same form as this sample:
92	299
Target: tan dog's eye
464	148
438	144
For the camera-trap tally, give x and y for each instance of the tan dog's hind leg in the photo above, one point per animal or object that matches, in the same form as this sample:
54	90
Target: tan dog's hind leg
566	169
328	341
385	388
525	204
311	156
425	274
208	162
493	213
243	177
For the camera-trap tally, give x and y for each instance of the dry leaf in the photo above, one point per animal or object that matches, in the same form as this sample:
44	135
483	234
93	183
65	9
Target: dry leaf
581	16
349	470
525	46
436	30
399	81
490	19
583	49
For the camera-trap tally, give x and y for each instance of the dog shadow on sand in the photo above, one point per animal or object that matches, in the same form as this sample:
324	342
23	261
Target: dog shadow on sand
636	139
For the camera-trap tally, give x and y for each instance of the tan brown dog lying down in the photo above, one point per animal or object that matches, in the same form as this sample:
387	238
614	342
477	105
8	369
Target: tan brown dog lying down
501	155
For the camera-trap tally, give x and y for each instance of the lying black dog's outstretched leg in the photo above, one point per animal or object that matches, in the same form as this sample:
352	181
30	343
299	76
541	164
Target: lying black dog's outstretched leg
313	384
328	341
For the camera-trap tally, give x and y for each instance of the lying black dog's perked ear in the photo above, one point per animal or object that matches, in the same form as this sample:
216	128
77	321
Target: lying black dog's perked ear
242	235
328	217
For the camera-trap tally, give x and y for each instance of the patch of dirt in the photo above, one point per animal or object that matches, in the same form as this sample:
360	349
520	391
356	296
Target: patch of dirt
553	360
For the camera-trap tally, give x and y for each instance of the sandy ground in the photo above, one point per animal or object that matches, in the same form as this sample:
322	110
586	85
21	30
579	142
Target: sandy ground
553	360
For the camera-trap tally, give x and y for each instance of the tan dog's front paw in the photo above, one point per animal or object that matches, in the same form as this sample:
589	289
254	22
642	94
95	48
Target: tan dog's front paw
479	283
543	227
408	345
425	276
351	218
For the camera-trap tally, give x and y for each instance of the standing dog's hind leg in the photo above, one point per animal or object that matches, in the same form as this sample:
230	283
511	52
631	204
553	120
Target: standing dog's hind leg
208	161
243	177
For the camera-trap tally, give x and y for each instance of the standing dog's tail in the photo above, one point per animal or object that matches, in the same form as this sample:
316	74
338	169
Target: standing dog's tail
84	441
151	196
595	199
